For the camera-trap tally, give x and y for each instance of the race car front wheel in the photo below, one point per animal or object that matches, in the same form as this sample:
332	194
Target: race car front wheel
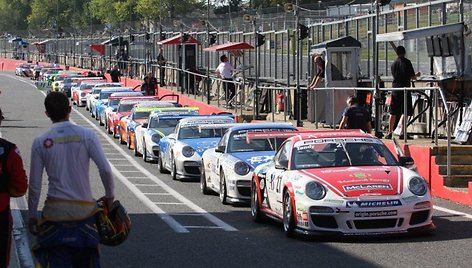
203	184
256	213
288	220
161	166
223	192
173	169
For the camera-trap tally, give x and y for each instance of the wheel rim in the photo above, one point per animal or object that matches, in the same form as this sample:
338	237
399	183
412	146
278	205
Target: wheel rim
222	189
254	201
203	180
144	153
287	212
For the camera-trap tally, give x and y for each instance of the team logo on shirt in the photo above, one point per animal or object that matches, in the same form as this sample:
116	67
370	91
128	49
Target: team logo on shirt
48	143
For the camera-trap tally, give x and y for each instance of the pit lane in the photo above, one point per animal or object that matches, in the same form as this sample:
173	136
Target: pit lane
154	242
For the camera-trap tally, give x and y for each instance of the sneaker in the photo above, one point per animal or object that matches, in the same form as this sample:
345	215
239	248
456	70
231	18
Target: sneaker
388	136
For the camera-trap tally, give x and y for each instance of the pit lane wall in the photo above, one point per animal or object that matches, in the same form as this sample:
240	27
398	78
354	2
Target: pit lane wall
424	160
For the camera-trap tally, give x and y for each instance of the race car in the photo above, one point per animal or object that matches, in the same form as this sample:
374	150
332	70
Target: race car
124	108
341	182
139	114
92	96
227	168
111	105
103	98
160	123
81	90
24	69
180	152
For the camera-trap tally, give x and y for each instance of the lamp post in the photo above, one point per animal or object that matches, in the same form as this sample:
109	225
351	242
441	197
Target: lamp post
208	83
297	73
377	93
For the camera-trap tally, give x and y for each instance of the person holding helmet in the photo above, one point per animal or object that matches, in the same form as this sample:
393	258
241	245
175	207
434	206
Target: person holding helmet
65	238
13	183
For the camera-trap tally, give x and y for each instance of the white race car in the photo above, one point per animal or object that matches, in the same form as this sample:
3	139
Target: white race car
180	152
161	122
93	95
227	169
341	182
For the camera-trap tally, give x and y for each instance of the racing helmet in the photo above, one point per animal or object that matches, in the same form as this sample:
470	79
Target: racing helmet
114	224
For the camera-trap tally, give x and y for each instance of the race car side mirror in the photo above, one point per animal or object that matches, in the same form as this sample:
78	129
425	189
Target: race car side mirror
144	125
406	161
281	164
220	149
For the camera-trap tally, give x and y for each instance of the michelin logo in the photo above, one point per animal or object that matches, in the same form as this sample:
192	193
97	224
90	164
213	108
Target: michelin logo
373	204
367	187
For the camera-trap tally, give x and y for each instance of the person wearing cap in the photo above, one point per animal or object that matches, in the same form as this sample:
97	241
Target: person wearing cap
66	231
13	183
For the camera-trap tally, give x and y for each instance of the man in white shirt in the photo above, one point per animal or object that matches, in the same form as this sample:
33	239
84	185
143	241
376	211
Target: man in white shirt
65	151
225	72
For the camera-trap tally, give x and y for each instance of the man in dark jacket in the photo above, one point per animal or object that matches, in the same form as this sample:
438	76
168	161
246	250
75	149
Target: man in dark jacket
13	183
403	73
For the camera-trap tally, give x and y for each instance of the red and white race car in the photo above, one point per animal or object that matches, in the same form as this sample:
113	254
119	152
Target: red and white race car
341	182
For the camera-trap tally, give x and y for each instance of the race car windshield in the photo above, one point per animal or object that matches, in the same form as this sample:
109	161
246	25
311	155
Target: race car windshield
141	115
194	132
126	107
165	126
334	153
237	142
114	102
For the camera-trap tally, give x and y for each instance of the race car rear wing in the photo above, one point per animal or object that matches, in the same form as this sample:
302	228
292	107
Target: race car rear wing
216	126
273	134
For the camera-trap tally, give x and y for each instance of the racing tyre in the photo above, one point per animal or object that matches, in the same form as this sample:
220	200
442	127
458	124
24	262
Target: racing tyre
288	220
109	131
223	190
173	169
256	213
128	142
145	158
136	152
120	139
203	183
161	166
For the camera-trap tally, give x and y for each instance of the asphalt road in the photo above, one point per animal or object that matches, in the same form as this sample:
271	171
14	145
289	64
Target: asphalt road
174	225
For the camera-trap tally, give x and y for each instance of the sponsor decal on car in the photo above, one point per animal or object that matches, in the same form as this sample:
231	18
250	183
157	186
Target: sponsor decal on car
259	159
373	203
382	213
376	186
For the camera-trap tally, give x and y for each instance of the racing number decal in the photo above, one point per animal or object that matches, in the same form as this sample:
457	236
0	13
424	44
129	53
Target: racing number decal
275	182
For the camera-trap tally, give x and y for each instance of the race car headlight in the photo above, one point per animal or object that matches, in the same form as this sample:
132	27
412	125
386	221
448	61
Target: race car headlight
418	186
82	94
188	151
315	190
156	138
241	168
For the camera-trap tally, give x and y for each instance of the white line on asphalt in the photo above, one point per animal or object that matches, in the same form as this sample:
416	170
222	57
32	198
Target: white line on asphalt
145	184
123	165
202	227
177	227
169	203
166	187
156	193
454	212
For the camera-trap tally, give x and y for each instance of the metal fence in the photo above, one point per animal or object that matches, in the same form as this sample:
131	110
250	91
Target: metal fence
276	59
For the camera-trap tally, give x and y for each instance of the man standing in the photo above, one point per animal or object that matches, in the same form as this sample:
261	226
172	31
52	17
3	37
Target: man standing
65	151
225	72
162	70
115	74
13	183
355	116
403	73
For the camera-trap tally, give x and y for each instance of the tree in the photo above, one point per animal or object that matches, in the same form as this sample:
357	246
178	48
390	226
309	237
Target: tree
13	15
